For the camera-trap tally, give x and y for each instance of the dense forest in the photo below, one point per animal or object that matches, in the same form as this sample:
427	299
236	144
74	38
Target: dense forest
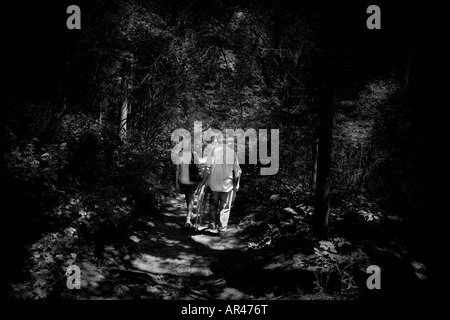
86	141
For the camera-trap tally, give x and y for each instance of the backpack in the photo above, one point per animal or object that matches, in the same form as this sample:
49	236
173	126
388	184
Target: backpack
194	171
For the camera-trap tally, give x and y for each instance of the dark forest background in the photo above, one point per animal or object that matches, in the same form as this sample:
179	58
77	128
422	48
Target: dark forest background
87	117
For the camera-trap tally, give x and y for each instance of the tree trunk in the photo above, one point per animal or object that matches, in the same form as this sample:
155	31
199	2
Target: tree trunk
365	165
305	177
124	114
322	207
103	105
314	165
123	119
100	117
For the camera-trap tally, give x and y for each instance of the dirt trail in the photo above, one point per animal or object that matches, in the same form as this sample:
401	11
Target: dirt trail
194	256
165	260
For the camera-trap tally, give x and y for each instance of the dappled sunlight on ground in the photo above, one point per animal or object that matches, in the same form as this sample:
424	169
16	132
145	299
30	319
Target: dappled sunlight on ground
162	259
186	264
171	250
176	250
224	242
231	294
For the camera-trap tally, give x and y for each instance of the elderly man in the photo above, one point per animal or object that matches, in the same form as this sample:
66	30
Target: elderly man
221	173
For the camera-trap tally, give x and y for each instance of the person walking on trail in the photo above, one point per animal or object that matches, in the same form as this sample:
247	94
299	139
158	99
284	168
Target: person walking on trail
220	175
210	146
186	180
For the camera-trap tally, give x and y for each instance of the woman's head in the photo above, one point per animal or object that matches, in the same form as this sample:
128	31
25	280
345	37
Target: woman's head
185	147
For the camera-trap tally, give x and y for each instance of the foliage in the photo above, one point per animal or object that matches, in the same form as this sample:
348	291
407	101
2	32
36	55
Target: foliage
47	263
143	175
67	165
333	258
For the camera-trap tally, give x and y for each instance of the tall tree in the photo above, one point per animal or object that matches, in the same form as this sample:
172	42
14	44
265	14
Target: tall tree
322	206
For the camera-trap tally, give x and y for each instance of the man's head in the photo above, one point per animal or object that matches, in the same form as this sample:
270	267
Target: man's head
229	141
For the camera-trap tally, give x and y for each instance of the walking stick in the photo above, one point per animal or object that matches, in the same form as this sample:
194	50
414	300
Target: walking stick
233	192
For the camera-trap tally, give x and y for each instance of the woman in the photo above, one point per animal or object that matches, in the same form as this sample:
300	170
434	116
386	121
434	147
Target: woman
184	184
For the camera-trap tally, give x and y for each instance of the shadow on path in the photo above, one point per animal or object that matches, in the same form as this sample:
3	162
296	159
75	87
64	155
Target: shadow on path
192	264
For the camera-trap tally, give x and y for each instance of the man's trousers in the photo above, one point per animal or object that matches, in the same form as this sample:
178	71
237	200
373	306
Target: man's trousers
219	208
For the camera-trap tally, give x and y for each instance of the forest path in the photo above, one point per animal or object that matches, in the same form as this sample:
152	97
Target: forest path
169	261
165	260
173	251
